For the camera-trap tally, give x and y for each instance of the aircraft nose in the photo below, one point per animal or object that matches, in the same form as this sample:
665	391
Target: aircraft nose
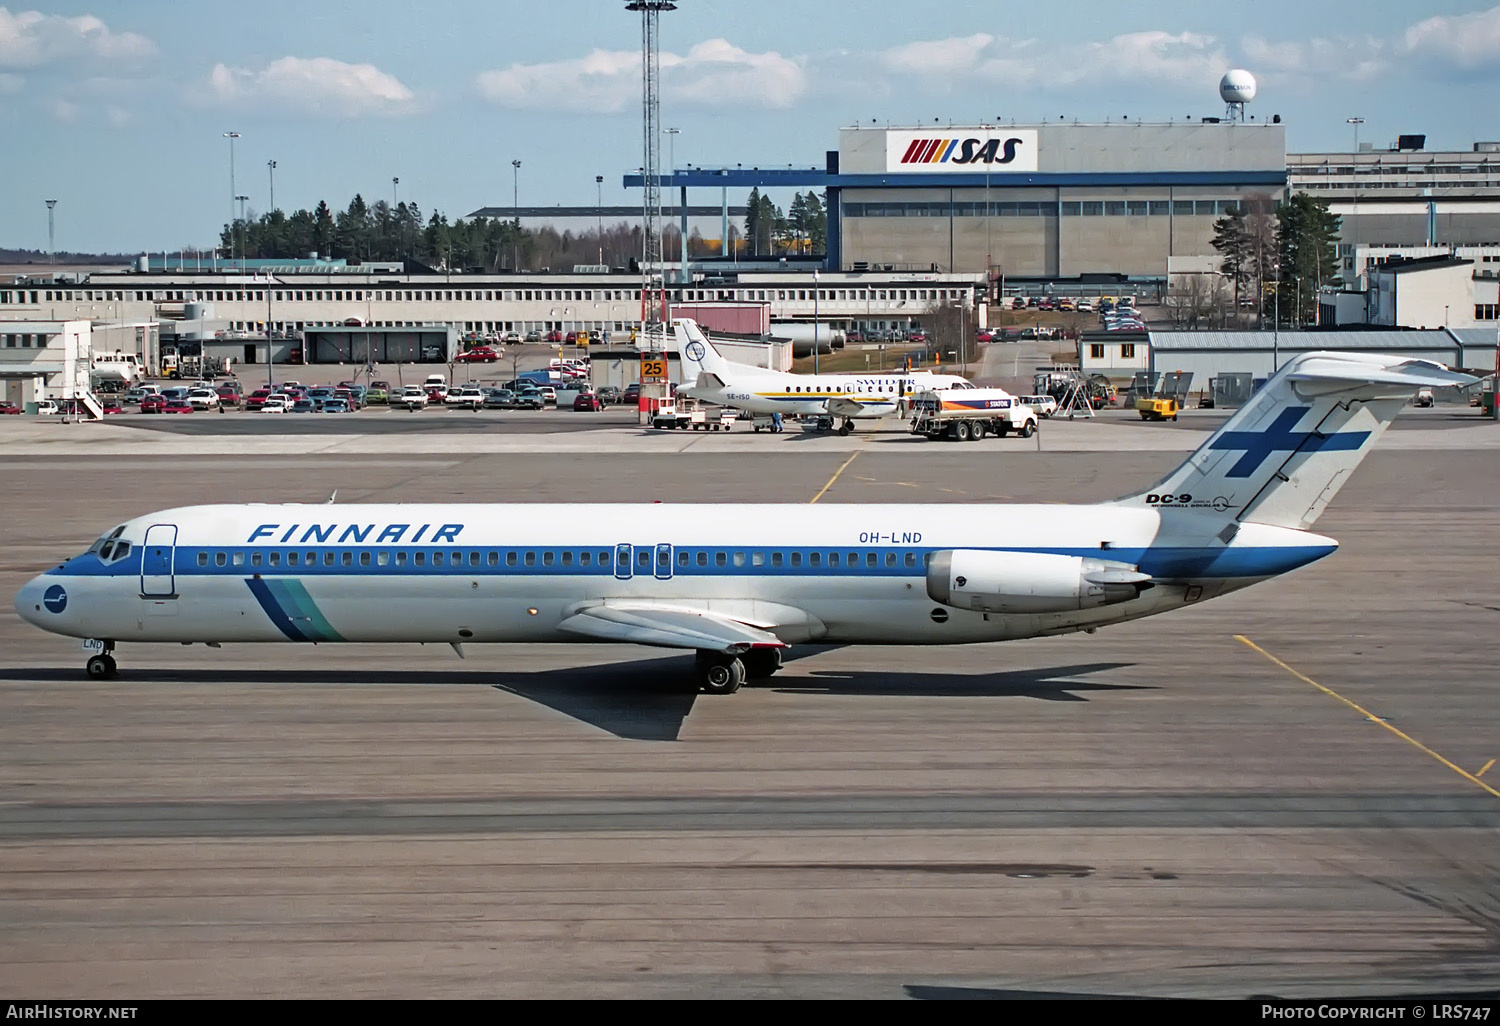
29	601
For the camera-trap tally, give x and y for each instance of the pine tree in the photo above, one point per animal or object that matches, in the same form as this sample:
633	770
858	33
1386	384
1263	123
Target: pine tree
1232	240
752	220
1305	234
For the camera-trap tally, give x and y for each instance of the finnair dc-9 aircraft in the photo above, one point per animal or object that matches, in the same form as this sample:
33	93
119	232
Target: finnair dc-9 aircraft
736	585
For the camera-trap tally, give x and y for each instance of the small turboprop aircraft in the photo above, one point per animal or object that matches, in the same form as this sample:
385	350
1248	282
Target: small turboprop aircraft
842	397
737	584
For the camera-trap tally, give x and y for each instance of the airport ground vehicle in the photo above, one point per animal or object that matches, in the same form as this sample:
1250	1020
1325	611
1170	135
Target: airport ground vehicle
1423	397
1158	407
1044	405
47	408
965	414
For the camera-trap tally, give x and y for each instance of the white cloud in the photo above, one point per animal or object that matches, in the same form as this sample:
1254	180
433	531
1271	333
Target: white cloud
30	39
316	85
942	64
61	109
608	81
1468	41
945	56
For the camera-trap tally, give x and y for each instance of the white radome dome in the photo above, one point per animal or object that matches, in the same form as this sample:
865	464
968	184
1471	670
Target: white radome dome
1238	86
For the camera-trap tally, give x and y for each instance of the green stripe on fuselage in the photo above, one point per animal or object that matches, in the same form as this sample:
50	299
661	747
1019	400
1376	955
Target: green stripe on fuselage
301	608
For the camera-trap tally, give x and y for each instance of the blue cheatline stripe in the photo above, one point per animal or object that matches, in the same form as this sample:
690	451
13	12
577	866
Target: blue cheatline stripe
1161	561
259	588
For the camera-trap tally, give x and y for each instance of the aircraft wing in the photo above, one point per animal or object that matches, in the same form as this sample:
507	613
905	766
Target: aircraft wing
842	407
667	626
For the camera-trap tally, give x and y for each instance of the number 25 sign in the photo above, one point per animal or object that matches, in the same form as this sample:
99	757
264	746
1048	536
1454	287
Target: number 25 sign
653	368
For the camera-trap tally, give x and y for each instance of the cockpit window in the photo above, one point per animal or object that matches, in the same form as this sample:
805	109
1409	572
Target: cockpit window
98	547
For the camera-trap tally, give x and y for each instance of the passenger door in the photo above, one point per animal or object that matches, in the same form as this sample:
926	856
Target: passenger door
157	555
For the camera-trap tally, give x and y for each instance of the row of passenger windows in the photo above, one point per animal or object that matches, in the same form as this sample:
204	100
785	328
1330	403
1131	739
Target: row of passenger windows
645	558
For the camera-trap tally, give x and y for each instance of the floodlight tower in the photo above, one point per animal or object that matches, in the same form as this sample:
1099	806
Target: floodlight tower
652	280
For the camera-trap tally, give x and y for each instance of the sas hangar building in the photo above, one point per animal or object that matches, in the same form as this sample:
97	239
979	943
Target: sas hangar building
1041	201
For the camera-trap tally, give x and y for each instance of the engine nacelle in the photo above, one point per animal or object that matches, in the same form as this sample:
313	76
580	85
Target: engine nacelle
1028	582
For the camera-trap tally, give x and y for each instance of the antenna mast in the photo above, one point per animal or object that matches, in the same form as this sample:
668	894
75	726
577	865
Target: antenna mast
652	256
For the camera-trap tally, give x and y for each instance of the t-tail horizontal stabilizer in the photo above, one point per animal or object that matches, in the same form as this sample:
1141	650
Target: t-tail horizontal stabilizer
1283	457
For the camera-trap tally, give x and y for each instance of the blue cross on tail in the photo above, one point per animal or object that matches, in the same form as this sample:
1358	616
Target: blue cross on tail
1279	437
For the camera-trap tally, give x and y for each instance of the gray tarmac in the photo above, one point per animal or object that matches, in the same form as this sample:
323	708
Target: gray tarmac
1158	809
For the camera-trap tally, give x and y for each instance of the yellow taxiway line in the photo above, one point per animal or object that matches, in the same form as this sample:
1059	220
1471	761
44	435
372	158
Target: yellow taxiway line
1470	777
1485	768
835	477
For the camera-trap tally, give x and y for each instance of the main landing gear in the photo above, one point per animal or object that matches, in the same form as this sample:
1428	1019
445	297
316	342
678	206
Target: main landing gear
101	666
722	674
846	427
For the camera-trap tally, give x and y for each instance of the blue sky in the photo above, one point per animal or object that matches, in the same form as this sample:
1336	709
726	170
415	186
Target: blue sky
118	109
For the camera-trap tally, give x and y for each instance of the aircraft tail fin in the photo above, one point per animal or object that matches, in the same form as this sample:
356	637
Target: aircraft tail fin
699	357
1284	455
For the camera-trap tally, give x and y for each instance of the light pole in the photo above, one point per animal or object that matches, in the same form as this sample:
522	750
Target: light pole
672	134
271	170
1354	192
242	200
51	247
515	204
599	207
395	181
233	231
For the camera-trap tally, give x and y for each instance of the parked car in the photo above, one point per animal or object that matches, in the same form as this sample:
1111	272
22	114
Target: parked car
177	406
411	399
277	404
304	406
533	337
378	392
8	408
227	396
1044	405
548	393
153	403
468	397
111	404
554	337
984	335
255	400
610	395
337	406
632	393
500	399
479	354
1085	306
202	399
47	408
529	399
587	402
511	338
135	395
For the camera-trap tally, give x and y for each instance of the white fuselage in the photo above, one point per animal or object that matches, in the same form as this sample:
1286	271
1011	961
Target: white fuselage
487	573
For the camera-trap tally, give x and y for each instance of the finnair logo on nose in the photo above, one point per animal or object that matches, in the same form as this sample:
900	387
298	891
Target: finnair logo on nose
56	600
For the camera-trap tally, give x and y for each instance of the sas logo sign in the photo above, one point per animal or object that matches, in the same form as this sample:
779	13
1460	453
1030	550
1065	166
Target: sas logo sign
993	152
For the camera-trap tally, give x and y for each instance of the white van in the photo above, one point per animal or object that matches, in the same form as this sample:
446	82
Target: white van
436	381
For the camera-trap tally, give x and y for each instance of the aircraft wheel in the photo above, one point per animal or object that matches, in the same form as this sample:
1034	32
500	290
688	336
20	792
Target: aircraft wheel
760	663
720	675
99	667
844	429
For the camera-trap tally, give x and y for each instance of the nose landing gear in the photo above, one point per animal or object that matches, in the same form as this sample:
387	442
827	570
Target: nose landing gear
102	665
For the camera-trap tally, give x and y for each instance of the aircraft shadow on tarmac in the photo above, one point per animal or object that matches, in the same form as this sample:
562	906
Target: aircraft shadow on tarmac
645	700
